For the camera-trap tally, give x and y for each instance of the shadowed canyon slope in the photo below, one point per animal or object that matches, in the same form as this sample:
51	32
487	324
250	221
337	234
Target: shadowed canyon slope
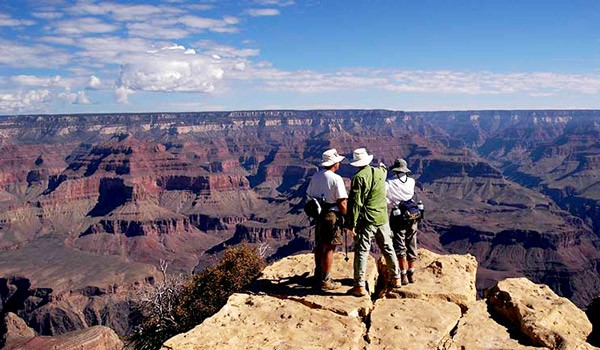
90	204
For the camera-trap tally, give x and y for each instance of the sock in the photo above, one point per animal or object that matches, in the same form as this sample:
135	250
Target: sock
411	270
403	272
324	276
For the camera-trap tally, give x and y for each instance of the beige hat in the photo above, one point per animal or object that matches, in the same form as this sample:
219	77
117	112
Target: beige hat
361	158
330	157
400	166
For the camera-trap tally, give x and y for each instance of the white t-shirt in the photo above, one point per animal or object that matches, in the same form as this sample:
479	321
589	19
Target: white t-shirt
397	190
327	185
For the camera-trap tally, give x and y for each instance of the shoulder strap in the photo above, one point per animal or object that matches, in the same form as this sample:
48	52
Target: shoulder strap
372	183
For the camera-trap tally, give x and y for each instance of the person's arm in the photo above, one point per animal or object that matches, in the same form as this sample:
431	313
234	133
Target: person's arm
342	204
355	202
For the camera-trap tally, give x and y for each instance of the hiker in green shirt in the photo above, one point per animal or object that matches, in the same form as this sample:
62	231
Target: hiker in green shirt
367	217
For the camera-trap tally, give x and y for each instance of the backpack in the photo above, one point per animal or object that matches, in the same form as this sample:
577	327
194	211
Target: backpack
407	211
312	208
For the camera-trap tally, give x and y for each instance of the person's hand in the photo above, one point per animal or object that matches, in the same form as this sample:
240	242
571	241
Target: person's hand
350	233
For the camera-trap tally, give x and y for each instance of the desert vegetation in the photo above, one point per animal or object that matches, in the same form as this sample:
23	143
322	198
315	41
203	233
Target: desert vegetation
178	303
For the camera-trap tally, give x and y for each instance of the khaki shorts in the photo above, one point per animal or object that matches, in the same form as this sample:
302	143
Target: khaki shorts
404	238
328	229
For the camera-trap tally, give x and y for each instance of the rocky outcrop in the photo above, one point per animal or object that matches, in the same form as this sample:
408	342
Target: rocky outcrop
19	336
282	311
540	316
47	312
441	277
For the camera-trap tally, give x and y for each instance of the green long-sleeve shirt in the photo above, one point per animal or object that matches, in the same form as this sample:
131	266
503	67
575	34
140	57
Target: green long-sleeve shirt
375	206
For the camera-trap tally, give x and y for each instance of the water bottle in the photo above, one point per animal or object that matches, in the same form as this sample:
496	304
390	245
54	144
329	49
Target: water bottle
421	209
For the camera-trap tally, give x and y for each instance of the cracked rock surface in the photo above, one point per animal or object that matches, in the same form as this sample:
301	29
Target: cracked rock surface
439	311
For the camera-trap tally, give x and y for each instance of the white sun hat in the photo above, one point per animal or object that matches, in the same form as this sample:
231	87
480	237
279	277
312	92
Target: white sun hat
361	158
330	157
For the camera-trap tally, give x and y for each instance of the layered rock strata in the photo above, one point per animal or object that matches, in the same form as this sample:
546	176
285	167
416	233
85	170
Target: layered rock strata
439	311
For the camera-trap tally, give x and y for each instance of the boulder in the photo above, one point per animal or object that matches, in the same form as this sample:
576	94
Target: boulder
265	322
441	277
412	323
291	278
543	317
16	327
477	330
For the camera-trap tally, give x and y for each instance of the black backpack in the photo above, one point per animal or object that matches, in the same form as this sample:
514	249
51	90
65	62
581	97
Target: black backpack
313	208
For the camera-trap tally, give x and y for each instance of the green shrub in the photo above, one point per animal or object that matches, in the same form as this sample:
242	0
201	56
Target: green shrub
178	305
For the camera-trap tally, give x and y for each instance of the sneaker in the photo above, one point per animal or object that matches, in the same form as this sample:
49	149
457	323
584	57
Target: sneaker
358	291
410	276
396	283
404	279
329	285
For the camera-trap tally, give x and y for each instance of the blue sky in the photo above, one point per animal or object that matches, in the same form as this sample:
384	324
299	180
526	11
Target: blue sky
174	55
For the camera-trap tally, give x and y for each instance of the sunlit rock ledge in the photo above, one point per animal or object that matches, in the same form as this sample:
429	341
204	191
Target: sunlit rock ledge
439	311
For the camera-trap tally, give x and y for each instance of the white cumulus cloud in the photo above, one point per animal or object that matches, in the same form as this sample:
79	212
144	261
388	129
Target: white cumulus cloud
77	98
173	69
122	94
29	101
94	82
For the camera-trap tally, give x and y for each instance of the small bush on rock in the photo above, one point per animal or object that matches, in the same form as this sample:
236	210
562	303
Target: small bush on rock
178	304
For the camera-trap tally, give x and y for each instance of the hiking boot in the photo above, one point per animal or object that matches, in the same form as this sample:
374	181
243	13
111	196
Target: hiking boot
358	291
329	285
396	283
404	279
410	276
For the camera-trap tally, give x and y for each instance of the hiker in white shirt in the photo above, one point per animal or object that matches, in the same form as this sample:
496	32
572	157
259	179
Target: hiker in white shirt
401	188
328	187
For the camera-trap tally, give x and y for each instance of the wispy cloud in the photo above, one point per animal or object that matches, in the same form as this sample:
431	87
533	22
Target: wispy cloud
9	21
48	14
16	54
425	82
263	12
32	80
84	25
274	2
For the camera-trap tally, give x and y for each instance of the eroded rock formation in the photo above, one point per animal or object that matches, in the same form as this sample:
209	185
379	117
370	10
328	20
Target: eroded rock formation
439	311
19	336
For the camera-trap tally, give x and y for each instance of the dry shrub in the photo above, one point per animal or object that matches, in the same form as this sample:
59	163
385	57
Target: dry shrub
177	304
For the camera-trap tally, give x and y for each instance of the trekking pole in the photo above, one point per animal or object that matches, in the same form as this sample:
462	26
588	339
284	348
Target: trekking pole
346	244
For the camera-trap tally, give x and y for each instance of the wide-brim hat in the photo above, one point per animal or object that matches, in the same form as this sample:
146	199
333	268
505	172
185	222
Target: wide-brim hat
331	157
361	158
400	166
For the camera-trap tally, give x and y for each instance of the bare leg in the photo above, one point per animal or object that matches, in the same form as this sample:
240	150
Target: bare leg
318	262
327	258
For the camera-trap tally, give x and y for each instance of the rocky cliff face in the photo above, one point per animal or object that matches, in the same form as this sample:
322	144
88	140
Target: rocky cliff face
439	311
